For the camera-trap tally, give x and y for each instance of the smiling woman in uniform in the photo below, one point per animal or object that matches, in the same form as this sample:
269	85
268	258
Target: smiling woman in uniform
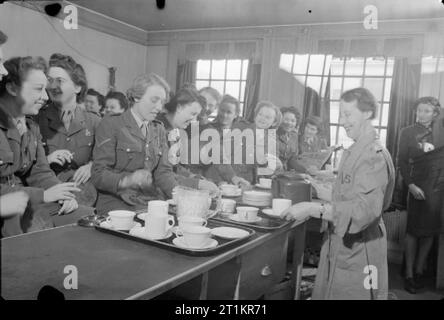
355	242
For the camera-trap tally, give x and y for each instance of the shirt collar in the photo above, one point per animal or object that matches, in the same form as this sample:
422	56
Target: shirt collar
139	121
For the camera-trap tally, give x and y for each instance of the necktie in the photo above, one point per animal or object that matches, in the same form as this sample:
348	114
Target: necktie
21	126
144	129
67	118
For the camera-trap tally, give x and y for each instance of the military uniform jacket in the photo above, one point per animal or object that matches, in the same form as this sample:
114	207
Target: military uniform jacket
23	164
120	149
79	139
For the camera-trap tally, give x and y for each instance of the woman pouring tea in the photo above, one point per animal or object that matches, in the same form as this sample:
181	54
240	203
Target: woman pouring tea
353	263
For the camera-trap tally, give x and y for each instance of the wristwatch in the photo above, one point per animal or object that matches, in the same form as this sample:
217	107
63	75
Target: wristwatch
322	210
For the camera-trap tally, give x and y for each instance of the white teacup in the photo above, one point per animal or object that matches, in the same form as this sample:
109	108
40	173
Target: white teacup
247	213
227	205
194	236
157	225
264	182
279	205
189	221
158	206
121	219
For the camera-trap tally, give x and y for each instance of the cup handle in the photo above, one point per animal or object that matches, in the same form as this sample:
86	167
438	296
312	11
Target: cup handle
108	219
205	223
170	223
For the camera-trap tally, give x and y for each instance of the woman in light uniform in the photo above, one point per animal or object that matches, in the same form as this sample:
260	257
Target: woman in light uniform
353	261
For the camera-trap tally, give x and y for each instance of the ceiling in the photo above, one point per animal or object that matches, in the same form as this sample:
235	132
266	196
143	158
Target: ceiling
202	14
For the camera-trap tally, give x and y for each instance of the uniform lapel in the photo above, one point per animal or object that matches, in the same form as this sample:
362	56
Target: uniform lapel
78	122
132	126
54	121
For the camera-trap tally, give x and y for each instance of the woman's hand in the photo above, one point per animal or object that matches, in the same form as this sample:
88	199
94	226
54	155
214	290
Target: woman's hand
323	190
68	206
83	174
241	182
60	157
62	191
13	203
208	185
416	191
301	211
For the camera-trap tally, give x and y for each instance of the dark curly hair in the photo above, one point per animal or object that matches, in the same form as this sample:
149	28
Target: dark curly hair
3	38
74	70
294	111
183	97
18	68
366	100
428	100
119	96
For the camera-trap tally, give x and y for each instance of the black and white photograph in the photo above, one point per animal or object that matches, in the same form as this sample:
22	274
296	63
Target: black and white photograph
239	151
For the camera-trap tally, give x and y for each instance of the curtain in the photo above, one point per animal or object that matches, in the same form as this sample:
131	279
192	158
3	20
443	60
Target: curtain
186	73
252	89
404	92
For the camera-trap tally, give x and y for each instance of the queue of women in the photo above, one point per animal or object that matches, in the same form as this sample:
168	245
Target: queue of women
60	162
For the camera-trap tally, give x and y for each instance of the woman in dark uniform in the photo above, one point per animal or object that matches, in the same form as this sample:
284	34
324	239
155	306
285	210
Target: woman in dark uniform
23	164
287	137
424	221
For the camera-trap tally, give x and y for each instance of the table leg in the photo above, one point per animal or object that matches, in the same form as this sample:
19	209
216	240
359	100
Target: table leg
204	287
440	266
298	259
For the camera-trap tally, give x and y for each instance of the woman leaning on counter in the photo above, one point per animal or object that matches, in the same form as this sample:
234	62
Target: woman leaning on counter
355	240
130	159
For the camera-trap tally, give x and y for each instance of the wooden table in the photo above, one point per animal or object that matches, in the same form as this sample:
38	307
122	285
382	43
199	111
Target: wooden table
110	267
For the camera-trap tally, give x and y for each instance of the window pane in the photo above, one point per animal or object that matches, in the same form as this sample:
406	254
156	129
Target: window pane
335	88
334	112
375	67
314	83
234	69
354	67
203	69
390	65
232	88
327	64
337	67
385	114
387	89
375	86
351	83
286	62
441	64
383	136
333	130
242	92
375	122
244	69
316	64
241	109
218	85
218	69
428	65
300	63
301	79
201	84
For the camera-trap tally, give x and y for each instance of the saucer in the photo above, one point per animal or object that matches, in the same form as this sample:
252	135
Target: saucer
229	233
271	213
236	218
262	187
141	216
107	225
139	231
181	244
171	202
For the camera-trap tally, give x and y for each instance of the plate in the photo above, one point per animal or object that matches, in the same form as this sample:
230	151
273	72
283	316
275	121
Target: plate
139	231
271	213
238	193
235	217
229	233
171	202
107	225
212	243
262	187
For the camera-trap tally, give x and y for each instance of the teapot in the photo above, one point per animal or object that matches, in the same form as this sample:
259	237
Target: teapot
291	185
192	202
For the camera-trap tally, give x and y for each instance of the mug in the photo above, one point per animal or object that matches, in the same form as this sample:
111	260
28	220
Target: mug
247	213
121	219
158	206
157	225
194	236
227	205
279	205
185	221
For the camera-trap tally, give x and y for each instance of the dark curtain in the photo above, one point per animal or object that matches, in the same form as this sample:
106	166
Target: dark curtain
404	92
252	89
315	105
186	73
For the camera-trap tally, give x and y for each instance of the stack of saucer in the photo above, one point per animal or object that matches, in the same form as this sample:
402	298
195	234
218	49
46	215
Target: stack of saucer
257	198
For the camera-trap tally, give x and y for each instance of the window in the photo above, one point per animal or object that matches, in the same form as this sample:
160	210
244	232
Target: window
226	76
373	73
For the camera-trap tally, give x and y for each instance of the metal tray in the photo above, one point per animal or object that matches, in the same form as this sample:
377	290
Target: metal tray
224	244
267	224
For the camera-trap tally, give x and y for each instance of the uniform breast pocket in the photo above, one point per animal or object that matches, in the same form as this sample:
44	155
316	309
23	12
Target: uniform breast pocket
129	157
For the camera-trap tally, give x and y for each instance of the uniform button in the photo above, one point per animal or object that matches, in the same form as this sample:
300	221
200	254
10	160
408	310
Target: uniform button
147	145
128	150
147	158
68	139
1	162
24	166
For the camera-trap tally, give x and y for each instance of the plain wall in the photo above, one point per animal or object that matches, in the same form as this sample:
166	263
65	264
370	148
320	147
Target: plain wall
30	33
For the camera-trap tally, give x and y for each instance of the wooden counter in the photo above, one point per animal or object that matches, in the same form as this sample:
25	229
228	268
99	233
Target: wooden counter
110	267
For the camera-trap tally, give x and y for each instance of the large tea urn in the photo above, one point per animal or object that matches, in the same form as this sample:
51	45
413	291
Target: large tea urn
291	185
